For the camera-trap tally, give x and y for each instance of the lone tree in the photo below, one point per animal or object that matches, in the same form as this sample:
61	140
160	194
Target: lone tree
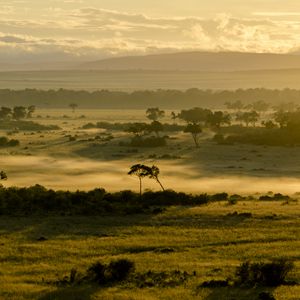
154	114
73	106
141	171
154	175
195	130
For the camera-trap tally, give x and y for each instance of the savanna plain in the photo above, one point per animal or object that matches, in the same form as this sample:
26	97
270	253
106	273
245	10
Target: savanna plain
247	211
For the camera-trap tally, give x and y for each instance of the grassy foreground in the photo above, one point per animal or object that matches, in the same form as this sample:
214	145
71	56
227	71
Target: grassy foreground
208	239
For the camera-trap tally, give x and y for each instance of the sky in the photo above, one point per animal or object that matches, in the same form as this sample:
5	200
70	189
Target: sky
86	30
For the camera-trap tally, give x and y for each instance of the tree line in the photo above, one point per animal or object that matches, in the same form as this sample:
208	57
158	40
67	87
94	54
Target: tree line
167	99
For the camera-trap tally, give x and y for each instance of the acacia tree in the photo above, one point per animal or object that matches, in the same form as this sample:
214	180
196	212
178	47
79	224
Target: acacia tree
154	113
154	175
195	130
141	171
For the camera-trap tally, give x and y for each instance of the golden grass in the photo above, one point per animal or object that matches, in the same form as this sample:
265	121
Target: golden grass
204	239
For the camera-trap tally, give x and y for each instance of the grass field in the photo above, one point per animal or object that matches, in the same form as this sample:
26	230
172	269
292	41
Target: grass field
203	239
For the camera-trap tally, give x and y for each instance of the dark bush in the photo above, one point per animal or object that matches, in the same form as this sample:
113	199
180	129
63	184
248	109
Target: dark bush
96	273
266	274
120	269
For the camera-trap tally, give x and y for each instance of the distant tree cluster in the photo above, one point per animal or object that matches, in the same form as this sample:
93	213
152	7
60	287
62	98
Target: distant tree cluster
16	113
171	99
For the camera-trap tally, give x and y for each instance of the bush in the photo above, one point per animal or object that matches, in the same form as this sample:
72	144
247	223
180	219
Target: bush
115	271
120	269
5	142
266	274
26	126
96	273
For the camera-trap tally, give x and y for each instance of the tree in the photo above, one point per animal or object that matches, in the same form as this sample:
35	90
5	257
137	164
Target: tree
19	112
5	113
173	116
154	175
155	127
141	171
73	106
154	114
218	118
248	118
138	129
195	130
195	115
30	111
282	118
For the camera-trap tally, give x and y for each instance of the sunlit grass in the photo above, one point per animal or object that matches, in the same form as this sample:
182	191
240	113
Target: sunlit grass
204	239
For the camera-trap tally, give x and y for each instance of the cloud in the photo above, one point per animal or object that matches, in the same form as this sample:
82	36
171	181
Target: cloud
90	33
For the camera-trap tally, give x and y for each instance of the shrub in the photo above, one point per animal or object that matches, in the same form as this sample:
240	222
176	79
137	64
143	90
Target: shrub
265	273
120	269
96	273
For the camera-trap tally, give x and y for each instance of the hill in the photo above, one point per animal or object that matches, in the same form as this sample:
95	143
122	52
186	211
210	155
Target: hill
199	61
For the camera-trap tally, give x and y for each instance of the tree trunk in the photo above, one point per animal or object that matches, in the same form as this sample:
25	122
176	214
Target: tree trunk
140	187
160	184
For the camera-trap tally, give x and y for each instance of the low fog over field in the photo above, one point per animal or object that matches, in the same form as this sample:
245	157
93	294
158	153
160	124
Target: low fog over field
52	159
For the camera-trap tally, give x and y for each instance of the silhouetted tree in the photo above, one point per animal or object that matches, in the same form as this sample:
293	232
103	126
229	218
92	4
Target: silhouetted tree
73	106
141	171
195	130
154	175
154	114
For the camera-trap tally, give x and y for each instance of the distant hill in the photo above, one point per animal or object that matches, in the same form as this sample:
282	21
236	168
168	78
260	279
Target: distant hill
198	61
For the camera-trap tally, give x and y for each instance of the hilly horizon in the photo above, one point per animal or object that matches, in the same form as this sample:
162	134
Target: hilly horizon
199	61
180	61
